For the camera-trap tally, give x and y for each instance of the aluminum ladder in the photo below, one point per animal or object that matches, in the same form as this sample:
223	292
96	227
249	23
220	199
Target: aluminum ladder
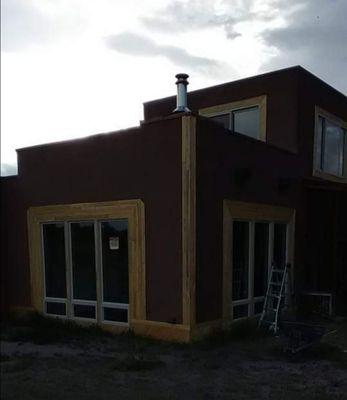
274	295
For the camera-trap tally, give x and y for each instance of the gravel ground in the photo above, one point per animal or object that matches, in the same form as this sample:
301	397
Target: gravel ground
99	366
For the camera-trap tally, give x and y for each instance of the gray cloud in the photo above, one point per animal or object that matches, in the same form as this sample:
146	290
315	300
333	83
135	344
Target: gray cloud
133	44
23	25
181	16
315	37
189	15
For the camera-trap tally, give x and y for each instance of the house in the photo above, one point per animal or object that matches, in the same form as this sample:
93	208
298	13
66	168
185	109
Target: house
169	229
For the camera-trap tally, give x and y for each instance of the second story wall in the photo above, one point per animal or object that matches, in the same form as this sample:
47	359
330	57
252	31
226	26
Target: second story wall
316	96
279	87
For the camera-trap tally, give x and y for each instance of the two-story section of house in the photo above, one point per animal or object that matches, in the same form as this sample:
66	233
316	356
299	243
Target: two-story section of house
289	110
170	228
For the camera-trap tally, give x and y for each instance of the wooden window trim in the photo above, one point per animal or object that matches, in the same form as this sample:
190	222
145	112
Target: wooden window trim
189	221
317	171
259	101
132	210
235	210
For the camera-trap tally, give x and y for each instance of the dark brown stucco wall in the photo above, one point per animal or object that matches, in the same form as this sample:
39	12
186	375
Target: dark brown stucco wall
140	163
324	266
10	256
314	92
280	88
220	155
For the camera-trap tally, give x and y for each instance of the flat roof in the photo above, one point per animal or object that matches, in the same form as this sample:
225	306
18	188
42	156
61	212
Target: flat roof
265	74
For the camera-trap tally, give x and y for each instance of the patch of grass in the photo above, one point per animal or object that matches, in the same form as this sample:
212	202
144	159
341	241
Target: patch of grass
244	332
17	364
43	330
338	337
329	352
137	362
4	357
247	329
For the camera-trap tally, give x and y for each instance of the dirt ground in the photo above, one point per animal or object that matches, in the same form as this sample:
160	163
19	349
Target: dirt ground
42	360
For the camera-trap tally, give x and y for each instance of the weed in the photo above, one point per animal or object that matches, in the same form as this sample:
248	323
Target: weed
244	332
18	364
329	352
137	362
43	330
4	357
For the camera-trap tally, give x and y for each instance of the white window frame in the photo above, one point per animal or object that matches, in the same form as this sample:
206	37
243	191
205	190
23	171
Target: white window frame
317	170
257	212
251	300
104	304
48	299
70	301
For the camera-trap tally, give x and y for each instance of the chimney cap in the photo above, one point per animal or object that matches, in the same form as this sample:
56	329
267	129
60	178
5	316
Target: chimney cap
182	78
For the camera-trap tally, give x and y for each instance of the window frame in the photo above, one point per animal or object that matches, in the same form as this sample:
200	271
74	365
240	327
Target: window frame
229	108
251	299
70	301
252	213
318	155
106	304
133	212
48	299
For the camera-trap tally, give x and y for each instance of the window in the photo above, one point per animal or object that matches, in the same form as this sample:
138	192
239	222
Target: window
77	255
244	120
256	246
81	265
255	237
247	117
330	146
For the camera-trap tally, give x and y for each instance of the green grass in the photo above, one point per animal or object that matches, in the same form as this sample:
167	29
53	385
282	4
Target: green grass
329	352
242	333
43	330
243	336
138	362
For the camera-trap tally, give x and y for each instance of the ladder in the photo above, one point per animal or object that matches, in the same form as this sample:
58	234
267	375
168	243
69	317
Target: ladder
274	295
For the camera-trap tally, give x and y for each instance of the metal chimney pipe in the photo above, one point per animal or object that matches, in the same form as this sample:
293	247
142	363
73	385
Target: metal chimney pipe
182	83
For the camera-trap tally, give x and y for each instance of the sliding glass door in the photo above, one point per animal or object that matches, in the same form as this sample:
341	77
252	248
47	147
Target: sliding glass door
86	272
256	246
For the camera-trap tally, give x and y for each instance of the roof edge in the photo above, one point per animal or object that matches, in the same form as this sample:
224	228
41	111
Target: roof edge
278	71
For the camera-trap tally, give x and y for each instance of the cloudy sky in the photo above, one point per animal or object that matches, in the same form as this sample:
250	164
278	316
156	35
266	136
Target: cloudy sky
72	68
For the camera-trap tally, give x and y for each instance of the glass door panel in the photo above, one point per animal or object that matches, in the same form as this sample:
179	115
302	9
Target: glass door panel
55	308
115	272
115	314
53	243
255	245
240	259
83	269
84	311
114	237
280	245
261	258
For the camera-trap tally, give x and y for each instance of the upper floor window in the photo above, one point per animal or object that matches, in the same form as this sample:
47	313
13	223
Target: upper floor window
246	116
330	146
